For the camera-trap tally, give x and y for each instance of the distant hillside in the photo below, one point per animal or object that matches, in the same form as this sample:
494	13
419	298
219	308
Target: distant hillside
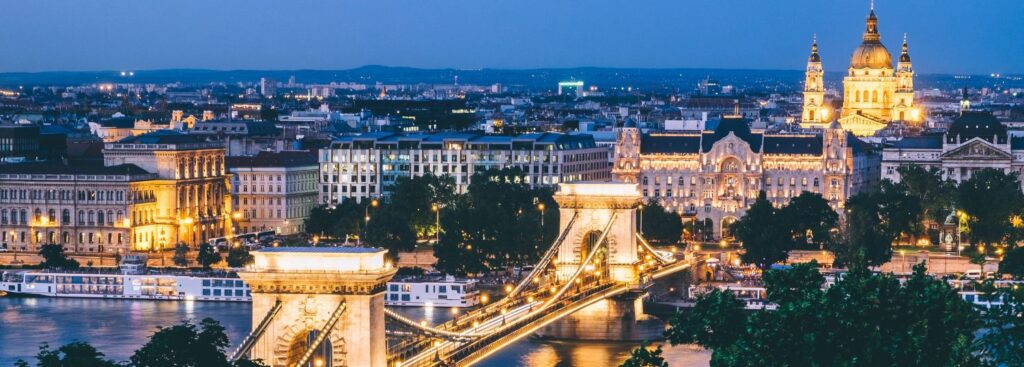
671	79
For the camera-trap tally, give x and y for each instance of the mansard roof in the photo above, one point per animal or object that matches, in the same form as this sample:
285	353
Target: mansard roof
737	126
669	143
796	144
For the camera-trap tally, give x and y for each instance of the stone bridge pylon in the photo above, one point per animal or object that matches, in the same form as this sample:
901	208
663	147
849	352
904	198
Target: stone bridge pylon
317	306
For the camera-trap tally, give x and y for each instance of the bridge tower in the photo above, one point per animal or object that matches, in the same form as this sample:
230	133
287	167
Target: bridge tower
317	306
601	210
593	213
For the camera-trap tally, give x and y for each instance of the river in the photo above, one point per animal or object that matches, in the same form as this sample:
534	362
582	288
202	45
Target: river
117	328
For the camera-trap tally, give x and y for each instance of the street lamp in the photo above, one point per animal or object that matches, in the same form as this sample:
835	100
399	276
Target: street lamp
641	218
437	222
541	207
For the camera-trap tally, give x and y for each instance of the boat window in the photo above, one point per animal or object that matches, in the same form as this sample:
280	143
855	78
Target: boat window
443	289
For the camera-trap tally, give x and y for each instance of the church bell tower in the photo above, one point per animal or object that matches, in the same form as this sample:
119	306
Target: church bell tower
815	113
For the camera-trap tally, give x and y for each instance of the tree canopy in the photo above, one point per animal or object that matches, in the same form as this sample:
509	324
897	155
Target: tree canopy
54	257
765	237
864	319
991	199
660	226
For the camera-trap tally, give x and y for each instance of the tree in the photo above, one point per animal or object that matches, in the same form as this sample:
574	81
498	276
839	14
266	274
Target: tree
765	239
1013	262
55	258
239	256
496	224
864	319
661	227
642	356
75	354
391	230
207	256
936	194
187	345
180	254
864	243
873	221
809	213
416	197
990	198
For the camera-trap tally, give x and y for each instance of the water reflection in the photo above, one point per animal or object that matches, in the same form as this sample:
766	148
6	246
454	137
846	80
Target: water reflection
117	328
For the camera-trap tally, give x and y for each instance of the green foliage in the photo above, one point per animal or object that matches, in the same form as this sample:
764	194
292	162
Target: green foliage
390	229
55	258
862	320
1013	262
496	224
336	221
239	256
873	221
642	356
715	321
990	198
765	237
806	214
207	256
182	345
74	354
185	345
416	197
661	227
935	194
180	254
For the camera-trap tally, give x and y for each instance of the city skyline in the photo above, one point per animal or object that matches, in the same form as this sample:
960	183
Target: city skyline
946	36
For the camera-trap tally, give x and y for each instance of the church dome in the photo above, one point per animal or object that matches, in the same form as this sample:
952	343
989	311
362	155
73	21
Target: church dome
871	56
871	53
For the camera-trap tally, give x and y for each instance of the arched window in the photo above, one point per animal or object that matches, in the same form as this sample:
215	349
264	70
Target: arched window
856	96
100	218
81	217
24	216
874	96
110	217
3	216
91	219
65	216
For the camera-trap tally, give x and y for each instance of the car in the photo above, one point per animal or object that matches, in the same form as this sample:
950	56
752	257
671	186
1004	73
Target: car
972	274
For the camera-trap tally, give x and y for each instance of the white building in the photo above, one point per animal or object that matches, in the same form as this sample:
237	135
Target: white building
367	165
975	141
273	191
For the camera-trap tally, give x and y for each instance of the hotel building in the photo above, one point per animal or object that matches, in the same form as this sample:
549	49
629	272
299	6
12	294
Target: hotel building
366	165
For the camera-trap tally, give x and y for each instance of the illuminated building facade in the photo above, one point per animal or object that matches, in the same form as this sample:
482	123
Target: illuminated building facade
715	175
191	193
86	208
874	92
975	141
273	191
365	166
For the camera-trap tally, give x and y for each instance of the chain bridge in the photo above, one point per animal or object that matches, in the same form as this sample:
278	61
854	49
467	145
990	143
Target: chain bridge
325	306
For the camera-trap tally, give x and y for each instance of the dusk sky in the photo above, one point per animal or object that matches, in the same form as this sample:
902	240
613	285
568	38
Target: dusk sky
946	36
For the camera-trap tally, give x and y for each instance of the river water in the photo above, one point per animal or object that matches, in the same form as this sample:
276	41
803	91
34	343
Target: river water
117	328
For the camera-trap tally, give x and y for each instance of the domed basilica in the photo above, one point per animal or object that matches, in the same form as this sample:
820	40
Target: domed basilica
874	93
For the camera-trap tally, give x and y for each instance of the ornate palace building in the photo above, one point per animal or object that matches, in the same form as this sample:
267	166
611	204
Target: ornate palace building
874	93
975	141
715	175
153	191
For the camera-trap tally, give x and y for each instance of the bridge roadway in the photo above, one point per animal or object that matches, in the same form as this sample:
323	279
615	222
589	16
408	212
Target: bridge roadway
468	340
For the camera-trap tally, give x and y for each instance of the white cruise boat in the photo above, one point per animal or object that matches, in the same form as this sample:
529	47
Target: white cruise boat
439	292
131	281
